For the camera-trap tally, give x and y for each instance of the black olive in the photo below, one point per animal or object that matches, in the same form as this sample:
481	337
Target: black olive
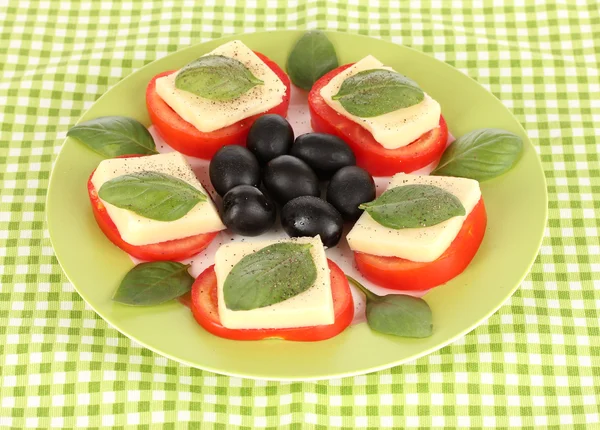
350	187
231	166
270	136
288	177
325	153
247	211
309	216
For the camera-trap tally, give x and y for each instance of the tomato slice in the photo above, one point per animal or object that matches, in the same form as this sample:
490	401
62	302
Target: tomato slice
401	274
187	139
178	249
370	155
206	311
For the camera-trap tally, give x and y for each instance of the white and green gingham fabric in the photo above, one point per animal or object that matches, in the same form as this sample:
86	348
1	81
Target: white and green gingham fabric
534	364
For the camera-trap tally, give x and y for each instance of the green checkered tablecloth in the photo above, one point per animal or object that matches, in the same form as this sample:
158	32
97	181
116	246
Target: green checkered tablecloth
534	364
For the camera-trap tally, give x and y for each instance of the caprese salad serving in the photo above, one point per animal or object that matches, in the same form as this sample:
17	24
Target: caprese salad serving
229	107
213	101
388	121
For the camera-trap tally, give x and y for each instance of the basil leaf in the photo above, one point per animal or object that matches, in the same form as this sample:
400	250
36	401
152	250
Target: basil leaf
112	136
312	57
396	314
216	77
481	154
413	206
271	275
376	92
400	315
152	195
153	283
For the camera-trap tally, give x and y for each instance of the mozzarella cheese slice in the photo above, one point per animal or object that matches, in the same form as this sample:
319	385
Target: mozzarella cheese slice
312	307
210	115
416	244
394	129
138	230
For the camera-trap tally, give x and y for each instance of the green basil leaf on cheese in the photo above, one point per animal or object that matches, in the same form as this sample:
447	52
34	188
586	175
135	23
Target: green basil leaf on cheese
271	275
481	154
312	57
216	77
154	283
112	136
413	206
396	314
376	92
152	195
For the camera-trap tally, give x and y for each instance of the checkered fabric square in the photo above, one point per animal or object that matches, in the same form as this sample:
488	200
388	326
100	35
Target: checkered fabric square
534	364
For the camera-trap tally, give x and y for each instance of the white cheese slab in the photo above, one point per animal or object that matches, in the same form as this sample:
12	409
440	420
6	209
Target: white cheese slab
312	307
138	230
394	129
210	115
416	244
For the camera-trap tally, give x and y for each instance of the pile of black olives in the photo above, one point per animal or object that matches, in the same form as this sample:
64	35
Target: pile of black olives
290	172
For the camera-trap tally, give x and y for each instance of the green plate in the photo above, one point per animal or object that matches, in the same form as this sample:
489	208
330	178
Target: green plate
516	205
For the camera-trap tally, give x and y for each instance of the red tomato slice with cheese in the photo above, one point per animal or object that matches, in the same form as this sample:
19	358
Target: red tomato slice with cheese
206	311
178	249
400	274
187	139
370	155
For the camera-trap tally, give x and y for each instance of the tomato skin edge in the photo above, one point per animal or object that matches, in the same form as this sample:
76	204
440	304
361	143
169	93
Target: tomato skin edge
187	139
370	155
178	249
400	274
205	310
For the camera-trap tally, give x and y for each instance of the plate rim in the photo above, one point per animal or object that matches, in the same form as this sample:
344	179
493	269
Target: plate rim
363	371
